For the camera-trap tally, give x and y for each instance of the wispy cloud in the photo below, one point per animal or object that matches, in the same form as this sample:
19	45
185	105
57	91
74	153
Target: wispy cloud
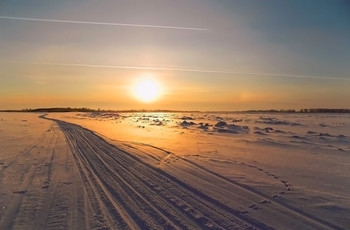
221	72
105	23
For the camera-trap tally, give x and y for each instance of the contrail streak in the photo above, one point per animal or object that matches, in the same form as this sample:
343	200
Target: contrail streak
193	70
104	23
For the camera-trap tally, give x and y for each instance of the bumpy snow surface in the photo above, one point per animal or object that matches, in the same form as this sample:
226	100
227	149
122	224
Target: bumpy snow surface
174	171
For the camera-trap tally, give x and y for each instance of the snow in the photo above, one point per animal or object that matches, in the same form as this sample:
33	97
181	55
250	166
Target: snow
285	171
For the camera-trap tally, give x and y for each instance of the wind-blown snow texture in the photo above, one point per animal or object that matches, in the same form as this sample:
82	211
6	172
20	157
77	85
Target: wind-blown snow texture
174	171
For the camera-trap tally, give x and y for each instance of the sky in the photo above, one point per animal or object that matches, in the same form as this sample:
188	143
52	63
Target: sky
203	54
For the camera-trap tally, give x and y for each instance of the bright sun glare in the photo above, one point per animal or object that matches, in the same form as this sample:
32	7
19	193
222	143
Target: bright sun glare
147	90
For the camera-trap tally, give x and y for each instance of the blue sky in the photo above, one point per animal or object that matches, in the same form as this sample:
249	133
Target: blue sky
249	55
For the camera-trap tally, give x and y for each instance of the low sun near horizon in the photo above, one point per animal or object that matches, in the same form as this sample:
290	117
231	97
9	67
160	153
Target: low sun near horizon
147	89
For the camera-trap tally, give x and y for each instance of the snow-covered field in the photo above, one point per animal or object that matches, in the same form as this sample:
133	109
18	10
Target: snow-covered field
174	171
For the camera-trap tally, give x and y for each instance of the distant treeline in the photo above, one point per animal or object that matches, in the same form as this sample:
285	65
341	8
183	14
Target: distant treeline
325	110
56	110
53	110
318	110
69	109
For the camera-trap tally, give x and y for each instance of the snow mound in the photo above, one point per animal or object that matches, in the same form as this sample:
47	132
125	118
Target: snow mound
223	127
186	123
275	121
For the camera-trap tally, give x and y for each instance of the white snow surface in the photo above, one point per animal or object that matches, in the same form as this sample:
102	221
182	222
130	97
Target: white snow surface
279	171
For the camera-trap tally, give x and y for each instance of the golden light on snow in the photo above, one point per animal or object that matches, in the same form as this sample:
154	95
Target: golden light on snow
147	89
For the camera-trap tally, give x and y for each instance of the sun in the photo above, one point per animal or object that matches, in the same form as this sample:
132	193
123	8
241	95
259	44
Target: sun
147	90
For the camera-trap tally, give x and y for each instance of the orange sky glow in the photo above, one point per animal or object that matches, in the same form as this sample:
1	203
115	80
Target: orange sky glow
204	55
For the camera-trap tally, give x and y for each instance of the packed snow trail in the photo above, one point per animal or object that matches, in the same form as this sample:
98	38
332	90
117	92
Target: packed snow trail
124	192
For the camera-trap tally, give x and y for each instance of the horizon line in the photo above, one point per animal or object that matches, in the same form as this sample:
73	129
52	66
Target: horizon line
105	23
85	109
224	72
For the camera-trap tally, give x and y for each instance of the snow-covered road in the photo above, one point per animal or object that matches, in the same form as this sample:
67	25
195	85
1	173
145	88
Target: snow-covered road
124	192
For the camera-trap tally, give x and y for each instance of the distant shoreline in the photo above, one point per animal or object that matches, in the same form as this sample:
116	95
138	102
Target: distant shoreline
68	109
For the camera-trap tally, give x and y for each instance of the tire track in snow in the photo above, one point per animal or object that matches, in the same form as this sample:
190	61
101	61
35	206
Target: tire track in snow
126	192
199	171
